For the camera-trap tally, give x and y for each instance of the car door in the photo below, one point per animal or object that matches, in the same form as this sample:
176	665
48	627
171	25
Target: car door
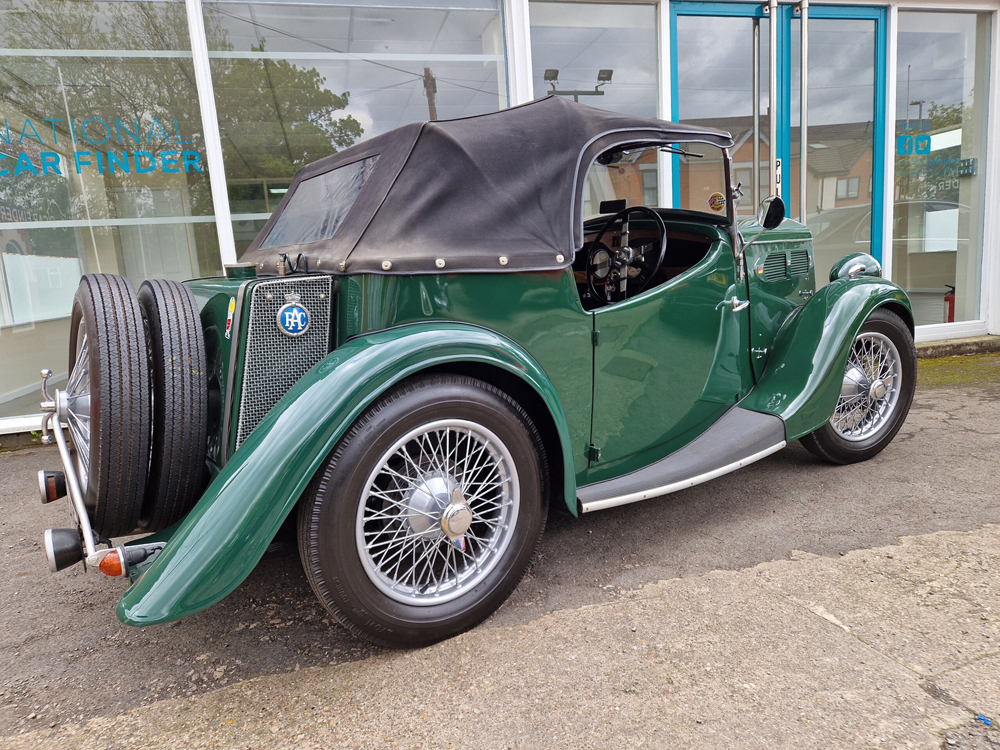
667	364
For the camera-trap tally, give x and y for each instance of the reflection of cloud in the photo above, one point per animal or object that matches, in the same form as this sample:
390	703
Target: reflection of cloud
359	111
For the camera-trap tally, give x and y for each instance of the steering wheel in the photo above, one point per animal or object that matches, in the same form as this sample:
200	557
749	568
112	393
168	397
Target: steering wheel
611	267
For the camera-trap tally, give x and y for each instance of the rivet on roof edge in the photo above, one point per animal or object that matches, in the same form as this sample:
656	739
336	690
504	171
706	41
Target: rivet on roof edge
503	260
386	265
559	259
439	263
343	265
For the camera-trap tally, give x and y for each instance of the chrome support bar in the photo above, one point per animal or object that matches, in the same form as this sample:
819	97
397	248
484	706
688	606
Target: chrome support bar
56	406
772	98
755	177
803	8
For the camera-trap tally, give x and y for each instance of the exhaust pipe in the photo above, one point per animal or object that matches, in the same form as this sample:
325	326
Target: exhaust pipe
62	548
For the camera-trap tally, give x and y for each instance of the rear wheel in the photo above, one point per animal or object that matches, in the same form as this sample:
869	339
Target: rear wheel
180	402
875	396
428	512
108	394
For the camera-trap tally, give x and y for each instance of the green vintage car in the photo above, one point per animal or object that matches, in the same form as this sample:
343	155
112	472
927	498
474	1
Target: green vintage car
439	334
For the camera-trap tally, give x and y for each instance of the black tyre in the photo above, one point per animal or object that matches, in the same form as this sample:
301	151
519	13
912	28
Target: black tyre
109	397
877	390
426	515
180	402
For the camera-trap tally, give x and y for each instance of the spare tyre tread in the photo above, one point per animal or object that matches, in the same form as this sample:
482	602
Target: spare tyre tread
180	402
120	389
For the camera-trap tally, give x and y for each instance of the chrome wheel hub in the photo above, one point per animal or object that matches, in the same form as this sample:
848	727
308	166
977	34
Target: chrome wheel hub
456	519
438	512
870	388
878	390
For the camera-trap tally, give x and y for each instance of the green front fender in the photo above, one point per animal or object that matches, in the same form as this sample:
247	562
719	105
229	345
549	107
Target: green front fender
805	369
221	540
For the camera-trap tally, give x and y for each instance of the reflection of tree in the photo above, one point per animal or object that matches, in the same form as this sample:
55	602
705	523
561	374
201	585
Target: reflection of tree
275	116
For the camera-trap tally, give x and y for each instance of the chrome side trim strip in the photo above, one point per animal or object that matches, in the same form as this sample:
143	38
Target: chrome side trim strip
783	241
634	497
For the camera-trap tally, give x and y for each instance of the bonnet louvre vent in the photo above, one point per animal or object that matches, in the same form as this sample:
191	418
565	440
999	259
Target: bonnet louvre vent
274	362
799	263
774	267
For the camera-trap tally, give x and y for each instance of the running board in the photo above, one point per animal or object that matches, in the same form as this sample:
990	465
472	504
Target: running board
739	438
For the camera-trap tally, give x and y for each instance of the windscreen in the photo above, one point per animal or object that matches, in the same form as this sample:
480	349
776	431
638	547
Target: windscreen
636	176
319	205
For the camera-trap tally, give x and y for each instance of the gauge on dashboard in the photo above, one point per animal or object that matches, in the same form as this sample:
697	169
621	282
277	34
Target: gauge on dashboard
601	262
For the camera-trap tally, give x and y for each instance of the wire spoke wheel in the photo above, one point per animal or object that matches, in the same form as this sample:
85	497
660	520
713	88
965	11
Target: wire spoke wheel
870	389
427	512
438	512
78	411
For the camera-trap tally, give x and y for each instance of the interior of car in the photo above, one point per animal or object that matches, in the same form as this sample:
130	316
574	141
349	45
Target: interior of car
685	248
630	243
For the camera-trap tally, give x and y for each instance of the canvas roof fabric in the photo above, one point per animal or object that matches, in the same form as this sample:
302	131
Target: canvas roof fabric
500	192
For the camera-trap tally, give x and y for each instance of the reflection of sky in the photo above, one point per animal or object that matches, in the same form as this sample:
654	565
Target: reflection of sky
936	60
715	72
578	40
714	67
388	49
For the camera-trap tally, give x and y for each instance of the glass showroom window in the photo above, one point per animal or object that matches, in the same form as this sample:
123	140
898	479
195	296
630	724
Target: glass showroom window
942	92
600	54
716	88
295	82
102	168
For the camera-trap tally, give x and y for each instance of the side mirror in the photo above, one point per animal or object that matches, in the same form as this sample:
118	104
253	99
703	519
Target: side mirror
771	213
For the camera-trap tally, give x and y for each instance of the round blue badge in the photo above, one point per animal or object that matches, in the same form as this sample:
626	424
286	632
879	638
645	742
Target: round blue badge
293	319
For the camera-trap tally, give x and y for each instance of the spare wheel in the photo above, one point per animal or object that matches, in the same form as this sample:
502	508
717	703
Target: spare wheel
180	402
109	401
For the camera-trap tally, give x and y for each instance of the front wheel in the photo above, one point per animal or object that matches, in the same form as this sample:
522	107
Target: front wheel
426	516
875	395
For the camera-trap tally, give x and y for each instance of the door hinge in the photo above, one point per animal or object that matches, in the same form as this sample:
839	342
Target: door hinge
593	452
596	338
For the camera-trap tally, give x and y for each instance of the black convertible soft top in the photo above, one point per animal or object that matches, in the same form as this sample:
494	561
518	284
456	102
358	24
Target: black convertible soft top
495	192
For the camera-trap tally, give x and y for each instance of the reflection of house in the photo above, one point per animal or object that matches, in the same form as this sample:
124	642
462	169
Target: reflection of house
839	164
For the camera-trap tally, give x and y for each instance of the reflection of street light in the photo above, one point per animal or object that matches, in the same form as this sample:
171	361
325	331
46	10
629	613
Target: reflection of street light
603	77
919	103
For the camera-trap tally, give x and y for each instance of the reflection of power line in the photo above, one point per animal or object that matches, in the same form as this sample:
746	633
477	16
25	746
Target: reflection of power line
367	92
360	58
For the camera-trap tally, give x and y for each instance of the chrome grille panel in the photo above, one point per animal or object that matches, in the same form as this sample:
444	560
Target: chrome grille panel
274	362
798	265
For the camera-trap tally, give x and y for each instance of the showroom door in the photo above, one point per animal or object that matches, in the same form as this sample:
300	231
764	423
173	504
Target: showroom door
739	67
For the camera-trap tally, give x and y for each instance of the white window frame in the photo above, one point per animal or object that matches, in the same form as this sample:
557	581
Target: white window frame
989	293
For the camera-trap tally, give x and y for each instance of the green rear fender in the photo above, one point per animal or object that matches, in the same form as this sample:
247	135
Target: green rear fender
221	540
805	369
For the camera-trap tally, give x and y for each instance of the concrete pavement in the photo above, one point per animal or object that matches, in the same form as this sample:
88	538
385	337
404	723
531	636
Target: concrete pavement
895	647
695	620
